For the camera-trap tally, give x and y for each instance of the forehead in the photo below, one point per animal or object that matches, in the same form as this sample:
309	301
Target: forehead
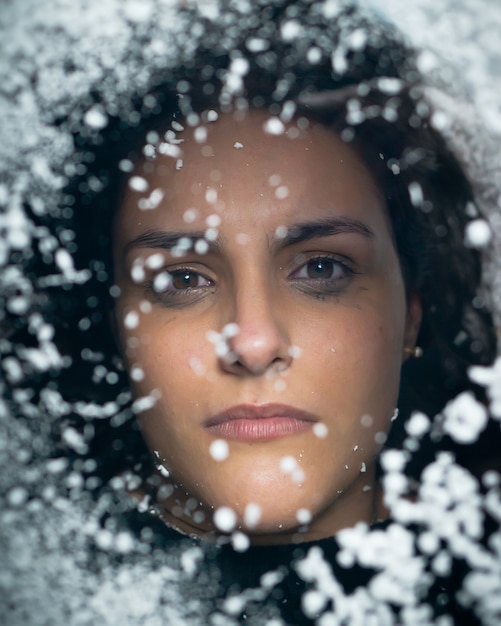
246	166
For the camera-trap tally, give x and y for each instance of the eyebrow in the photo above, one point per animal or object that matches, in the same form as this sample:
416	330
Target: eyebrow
166	240
324	227
297	233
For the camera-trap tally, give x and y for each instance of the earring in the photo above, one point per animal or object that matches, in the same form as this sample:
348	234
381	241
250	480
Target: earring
415	352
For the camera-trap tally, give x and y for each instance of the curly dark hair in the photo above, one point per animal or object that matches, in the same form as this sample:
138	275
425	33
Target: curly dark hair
372	95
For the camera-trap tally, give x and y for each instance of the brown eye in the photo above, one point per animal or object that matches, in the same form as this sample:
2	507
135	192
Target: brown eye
185	279
181	280
320	268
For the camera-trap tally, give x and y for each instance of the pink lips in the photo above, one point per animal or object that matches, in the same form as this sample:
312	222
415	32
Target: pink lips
259	423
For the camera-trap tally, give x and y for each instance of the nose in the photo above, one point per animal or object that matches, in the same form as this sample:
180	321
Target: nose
259	340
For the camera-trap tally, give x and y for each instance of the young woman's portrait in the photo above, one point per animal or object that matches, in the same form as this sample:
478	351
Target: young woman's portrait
250	314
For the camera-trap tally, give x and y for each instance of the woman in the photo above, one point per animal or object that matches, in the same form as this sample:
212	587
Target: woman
276	250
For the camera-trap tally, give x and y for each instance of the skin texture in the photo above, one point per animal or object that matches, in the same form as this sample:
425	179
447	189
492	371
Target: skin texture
328	339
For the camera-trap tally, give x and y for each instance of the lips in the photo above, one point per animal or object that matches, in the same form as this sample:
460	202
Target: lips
259	423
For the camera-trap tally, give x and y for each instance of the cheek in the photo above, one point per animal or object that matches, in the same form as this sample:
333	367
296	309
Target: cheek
355	359
170	356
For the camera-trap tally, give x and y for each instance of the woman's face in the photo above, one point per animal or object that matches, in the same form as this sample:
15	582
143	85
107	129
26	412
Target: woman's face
263	309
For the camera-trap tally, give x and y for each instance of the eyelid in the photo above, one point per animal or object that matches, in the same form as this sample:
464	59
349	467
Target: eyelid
303	259
182	270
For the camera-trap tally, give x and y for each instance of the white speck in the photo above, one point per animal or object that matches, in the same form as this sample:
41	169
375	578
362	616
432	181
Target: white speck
64	260
491	478
137	11
211	234
288	111
230	330
179	164
234	604
56	466
212	336
169	149
363	468
252	514
416	194
314	55
320	430
138	183
163	470
281	192
212	115
213	220
274	126
393	460
201	246
313	602
290	30
137	272
426	61
280	385
478	234
131	320
465	418
145	403
17	496
221	349
357	39
366	421
380	438
303	516
137	373
126	165
155	261
190	558
238	145
255	44
440	120
295	352
182	246
152	202
281	232
95	118
197	366
219	450
240	541
225	519
333	350
211	196
200	134
124	543
390	86
288	464
239	66
104	539
418	424
161	282
190	215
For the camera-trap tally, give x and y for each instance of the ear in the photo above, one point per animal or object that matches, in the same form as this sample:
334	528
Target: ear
413	323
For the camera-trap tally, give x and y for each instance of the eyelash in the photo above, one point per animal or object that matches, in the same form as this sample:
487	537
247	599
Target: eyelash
166	296
315	285
329	285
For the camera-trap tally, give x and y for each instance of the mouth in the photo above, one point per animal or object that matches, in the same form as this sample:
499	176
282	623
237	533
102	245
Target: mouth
259	423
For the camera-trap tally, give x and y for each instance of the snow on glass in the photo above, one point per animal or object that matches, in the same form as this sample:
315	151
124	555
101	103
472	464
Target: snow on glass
57	56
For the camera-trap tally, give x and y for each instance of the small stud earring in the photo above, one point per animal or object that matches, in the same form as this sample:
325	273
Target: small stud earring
415	352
